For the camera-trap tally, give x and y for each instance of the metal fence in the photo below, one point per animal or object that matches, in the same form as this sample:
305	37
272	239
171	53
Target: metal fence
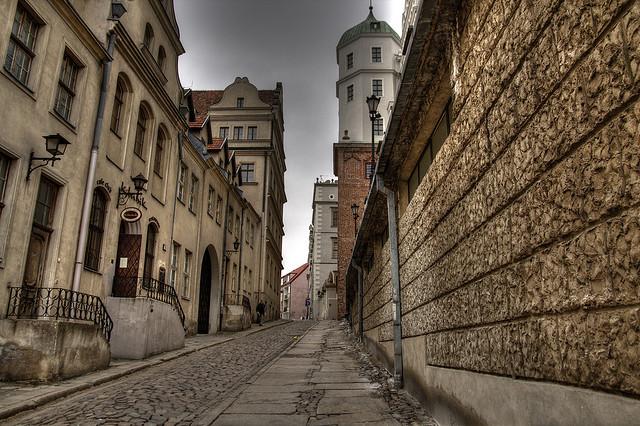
149	288
237	299
58	303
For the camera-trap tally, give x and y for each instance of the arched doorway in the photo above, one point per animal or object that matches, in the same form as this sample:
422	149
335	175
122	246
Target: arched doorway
127	260
208	273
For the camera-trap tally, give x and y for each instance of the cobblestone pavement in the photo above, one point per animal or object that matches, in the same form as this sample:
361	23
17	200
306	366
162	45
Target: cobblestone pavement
175	392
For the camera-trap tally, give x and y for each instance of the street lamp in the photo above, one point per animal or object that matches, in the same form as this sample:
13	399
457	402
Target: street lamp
55	145
354	212
372	102
125	192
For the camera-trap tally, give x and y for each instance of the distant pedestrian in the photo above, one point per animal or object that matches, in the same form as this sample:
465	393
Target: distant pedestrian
260	312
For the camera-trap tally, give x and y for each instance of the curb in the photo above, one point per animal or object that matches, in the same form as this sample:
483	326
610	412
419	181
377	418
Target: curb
39	401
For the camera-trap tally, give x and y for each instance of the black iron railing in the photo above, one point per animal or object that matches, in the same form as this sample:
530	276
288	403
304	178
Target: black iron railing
58	303
237	299
150	288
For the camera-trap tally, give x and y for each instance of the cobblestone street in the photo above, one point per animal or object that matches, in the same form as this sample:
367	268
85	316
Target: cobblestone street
175	392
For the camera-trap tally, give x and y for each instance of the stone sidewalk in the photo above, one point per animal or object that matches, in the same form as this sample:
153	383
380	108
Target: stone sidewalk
314	382
18	397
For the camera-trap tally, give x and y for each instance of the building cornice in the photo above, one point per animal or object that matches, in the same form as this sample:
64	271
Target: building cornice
167	25
75	22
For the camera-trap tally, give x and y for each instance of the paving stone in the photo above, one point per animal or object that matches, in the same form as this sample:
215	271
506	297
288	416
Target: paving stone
262	420
330	405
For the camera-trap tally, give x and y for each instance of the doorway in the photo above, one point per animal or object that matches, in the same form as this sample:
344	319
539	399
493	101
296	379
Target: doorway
125	281
204	301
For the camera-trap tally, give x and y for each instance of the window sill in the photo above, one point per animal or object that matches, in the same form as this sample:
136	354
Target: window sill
28	91
181	201
64	121
192	212
115	133
250	183
93	271
187	298
140	157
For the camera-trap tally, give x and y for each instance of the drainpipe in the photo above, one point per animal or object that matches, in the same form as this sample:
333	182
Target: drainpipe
88	190
360	299
241	239
175	196
395	280
223	278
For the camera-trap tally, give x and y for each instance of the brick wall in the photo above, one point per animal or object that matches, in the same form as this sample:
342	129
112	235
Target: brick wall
519	252
353	187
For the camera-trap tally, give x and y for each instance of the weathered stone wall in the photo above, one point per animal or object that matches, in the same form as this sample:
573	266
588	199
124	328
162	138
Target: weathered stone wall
519	252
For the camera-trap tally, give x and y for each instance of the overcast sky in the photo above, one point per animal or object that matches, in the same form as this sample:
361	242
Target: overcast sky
292	41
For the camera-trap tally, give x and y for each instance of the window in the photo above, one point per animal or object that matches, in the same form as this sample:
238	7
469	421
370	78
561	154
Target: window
376	54
186	273
223	132
349	61
150	250
162	56
22	42
247	172
252	132
173	273
350	93
5	164
238	132
434	143
252	235
148	37
219	210
237	230
45	203
96	230
234	277
247	230
211	199
378	126
158	159
118	106
141	130
369	169
230	220
376	87
240	103
334	248
334	217
182	175
194	193
66	87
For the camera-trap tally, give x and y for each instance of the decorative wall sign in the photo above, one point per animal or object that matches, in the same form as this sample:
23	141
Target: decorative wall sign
131	214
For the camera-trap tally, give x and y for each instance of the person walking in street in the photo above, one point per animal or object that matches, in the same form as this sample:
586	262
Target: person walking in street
260	312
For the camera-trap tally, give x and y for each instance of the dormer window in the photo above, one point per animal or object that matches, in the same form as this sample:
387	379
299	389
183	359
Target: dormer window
148	37
375	26
240	103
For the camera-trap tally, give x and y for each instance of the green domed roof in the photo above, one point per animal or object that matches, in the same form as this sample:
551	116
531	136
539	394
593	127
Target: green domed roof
369	26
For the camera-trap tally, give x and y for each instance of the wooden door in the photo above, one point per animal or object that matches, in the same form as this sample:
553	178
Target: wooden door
127	262
36	255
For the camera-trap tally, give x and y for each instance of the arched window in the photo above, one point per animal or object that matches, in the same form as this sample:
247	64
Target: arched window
118	106
141	130
96	230
148	37
158	160
162	56
150	250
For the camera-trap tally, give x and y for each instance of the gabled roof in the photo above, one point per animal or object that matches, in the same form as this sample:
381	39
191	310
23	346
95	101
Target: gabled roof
202	100
297	272
369	26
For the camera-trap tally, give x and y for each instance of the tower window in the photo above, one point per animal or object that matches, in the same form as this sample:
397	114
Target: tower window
378	126
376	87
350	93
350	61
376	54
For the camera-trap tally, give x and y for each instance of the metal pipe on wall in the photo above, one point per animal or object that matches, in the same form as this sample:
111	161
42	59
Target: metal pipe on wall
360	300
93	161
395	281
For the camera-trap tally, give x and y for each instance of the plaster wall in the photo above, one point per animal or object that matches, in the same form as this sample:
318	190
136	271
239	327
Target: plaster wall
143	327
43	350
517	264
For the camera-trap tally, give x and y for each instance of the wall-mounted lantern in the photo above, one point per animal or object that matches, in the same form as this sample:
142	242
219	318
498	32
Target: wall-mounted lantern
125	193
55	145
236	246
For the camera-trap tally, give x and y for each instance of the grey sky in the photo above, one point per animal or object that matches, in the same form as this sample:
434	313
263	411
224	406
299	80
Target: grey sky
292	41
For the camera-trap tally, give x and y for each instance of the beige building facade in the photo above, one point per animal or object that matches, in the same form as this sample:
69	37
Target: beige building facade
508	276
252	123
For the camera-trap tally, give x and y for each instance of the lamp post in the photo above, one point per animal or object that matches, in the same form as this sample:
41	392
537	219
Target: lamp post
372	102
354	212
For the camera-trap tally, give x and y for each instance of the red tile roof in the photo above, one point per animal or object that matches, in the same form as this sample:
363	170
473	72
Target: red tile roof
297	272
268	96
216	144
202	100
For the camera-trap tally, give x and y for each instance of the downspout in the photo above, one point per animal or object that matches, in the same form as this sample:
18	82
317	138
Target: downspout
360	299
223	283
240	247
175	196
395	280
88	190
